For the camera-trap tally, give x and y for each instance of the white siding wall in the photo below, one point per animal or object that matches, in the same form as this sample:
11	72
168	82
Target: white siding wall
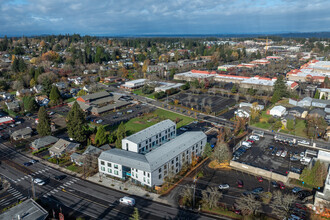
143	177
129	145
111	169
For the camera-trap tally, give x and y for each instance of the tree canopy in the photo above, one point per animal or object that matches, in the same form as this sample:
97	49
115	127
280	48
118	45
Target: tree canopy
76	123
43	126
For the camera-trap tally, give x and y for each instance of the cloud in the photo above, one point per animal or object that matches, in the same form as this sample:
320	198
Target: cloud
113	17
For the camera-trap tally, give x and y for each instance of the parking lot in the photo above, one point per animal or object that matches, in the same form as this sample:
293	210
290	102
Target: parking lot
199	102
265	155
121	115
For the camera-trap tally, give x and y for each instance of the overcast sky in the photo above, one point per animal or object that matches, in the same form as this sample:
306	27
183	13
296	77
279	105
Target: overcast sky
138	17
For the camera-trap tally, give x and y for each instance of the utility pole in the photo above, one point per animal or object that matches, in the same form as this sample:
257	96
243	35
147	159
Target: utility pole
33	189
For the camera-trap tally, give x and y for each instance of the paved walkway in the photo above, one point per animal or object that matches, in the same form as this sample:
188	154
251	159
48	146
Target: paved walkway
129	188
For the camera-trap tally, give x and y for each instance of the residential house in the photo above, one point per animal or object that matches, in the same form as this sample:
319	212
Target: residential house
298	112
26	210
61	85
43	142
38	88
77	159
8	96
24	92
62	146
286	119
324	93
23	133
327	109
317	113
277	111
110	79
13	106
243	112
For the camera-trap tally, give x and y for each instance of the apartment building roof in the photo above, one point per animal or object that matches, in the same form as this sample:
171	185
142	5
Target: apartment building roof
150	131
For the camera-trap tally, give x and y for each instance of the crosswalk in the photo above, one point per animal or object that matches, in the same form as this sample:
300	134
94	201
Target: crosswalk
15	196
61	187
32	174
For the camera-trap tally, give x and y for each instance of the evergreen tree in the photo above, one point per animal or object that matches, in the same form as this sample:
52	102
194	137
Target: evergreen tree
29	104
317	94
47	86
135	215
15	66
43	126
121	133
207	150
326	82
21	65
280	86
55	96
234	89
76	123
101	136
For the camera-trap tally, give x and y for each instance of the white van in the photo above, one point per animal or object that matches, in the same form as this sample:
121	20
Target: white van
255	137
127	201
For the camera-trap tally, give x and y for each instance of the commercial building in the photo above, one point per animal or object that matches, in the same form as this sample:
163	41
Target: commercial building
193	75
134	84
313	71
164	86
150	167
101	102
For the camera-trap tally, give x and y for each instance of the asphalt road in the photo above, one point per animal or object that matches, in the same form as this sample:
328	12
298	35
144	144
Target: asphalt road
76	197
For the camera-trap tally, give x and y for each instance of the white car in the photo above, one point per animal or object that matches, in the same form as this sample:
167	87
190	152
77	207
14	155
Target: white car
246	144
279	153
38	181
99	121
127	201
255	137
284	153
183	129
302	154
224	186
18	122
303	142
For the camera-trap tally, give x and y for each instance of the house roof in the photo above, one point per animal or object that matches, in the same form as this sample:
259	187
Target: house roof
27	210
298	109
44	141
22	132
155	158
317	111
96	95
92	150
278	108
150	131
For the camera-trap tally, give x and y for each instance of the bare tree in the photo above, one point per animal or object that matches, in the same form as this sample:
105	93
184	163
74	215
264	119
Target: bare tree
221	152
248	205
211	196
187	195
248	98
237	97
265	100
281	204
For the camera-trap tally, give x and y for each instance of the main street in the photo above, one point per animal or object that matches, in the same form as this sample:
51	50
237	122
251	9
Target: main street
76	197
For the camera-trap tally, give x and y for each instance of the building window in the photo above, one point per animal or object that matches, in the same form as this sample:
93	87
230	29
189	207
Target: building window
109	164
160	170
177	158
139	145
193	147
165	173
165	167
172	168
148	181
103	168
187	151
126	145
144	179
146	141
187	157
115	166
109	170
156	135
160	176
157	142
149	140
172	161
168	130
148	174
136	175
144	173
116	172
201	147
177	164
201	142
102	162
177	170
142	149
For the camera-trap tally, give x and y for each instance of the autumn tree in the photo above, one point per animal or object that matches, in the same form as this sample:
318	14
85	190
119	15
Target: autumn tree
316	175
316	126
187	195
145	65
43	126
255	112
81	93
135	215
222	153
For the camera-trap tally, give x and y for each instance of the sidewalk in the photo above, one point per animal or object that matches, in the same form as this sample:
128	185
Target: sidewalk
131	188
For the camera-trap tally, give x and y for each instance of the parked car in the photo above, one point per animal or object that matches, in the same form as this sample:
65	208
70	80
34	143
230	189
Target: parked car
281	185
279	153
18	122
260	179
294	158
223	186
183	129
284	153
270	147
240	184
255	137
295	190
246	144
127	201
296	170
99	121
250	140
303	194
303	142
129	111
274	184
257	190
274	151
51	113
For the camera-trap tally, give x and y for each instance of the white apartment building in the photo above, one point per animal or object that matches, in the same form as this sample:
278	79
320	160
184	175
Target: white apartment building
152	167
150	138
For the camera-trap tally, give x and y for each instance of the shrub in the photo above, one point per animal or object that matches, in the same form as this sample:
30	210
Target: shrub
271	120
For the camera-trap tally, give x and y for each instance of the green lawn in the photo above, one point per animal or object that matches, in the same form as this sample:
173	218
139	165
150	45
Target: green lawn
139	92
264	125
300	127
74	168
137	124
69	100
